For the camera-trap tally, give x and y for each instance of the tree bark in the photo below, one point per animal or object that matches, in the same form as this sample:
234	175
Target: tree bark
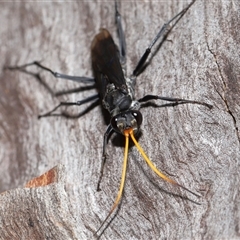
192	144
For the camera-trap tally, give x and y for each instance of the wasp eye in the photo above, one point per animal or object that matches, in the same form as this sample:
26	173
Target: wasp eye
114	122
138	116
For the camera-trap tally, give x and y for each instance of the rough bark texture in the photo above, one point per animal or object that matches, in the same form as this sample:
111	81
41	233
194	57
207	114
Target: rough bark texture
196	146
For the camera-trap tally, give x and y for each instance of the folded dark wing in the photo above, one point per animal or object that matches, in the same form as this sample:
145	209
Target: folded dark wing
105	62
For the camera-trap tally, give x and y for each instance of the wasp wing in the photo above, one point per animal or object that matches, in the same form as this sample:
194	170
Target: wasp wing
105	62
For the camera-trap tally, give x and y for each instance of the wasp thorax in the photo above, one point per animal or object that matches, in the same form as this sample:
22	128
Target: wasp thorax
126	120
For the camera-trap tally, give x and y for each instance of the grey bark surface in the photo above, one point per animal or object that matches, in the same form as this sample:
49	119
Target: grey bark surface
197	147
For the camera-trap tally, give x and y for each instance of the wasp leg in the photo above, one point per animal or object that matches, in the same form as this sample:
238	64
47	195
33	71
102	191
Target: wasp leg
163	32
74	90
175	101
55	74
121	36
108	132
23	69
78	103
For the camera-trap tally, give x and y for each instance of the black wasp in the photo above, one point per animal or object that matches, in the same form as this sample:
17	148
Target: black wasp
116	92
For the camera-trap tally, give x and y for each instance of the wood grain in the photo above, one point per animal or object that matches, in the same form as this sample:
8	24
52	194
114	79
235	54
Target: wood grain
196	146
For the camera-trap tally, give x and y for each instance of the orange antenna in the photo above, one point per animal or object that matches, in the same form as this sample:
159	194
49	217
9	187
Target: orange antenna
124	169
151	165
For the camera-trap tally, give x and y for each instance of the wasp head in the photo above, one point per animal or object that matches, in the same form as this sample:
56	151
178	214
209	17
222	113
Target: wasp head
127	120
